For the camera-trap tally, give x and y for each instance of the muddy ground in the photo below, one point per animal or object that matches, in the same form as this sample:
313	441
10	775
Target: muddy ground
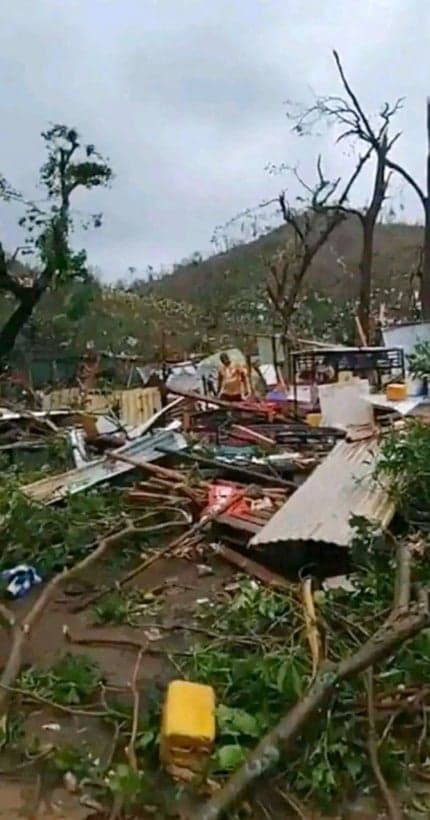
179	584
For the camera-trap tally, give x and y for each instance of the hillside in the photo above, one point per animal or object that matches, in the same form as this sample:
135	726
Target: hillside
202	305
242	267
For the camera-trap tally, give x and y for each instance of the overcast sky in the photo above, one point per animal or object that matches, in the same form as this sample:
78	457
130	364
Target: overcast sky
186	97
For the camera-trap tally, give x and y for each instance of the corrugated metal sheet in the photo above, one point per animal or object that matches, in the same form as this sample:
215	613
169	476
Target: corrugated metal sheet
136	405
339	488
11	415
52	489
67	397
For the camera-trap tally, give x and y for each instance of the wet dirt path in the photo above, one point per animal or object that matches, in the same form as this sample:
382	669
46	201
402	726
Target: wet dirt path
181	586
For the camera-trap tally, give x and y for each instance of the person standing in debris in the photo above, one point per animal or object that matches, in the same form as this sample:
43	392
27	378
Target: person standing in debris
233	382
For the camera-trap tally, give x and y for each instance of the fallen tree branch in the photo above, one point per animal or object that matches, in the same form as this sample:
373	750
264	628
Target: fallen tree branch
402	593
394	810
21	632
293	802
242	562
27	694
129	750
267	752
212	515
153	469
124	643
312	632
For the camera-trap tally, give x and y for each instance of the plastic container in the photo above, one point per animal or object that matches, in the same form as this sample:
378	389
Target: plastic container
188	726
344	405
396	392
415	387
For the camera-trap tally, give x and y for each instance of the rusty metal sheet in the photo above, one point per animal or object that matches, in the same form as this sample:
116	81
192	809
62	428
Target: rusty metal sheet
68	397
136	405
320	510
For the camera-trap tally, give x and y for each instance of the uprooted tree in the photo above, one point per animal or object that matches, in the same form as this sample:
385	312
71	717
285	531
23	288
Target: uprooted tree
70	165
351	122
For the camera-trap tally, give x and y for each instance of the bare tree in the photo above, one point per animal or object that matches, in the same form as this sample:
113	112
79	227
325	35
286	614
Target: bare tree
424	197
347	114
69	166
310	227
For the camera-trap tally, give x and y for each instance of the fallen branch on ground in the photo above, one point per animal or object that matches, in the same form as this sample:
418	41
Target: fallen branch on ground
154	469
242	562
130	751
22	631
123	643
402	594
27	694
212	515
394	810
312	632
267	752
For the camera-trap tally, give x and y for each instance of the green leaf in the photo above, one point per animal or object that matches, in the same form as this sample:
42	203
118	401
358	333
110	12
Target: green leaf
354	766
229	757
236	721
145	739
296	681
123	771
280	680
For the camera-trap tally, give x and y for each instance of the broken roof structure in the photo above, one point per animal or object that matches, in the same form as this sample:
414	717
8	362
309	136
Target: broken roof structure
340	488
149	447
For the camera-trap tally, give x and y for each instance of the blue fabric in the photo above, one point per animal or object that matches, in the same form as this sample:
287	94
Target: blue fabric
20	579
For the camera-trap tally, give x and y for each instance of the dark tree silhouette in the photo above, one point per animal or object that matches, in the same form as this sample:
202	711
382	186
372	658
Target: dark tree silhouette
70	165
347	114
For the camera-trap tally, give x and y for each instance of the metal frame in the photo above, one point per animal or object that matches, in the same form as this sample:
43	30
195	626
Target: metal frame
358	360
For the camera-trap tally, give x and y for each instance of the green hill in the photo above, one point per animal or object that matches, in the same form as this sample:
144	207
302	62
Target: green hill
203	304
230	287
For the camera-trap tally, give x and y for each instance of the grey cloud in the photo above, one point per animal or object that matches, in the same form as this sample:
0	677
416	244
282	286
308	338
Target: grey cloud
187	100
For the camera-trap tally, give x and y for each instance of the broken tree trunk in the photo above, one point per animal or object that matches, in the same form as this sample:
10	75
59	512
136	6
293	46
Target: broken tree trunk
267	752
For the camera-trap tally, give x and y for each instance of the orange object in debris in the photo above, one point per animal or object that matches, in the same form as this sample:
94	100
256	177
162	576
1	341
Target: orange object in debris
221	492
396	392
313	419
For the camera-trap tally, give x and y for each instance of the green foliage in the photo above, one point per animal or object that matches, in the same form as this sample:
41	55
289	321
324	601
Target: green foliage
128	785
69	166
49	228
11	731
229	757
79	762
73	679
256	670
125	607
260	666
236	722
404	462
419	360
51	538
323	317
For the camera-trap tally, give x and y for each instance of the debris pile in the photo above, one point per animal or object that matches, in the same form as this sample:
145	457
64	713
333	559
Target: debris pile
238	553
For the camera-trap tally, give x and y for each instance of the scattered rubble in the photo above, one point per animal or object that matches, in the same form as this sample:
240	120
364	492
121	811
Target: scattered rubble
260	504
